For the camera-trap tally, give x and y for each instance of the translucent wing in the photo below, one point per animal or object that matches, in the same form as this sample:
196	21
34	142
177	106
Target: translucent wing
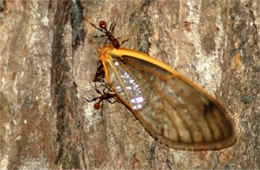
172	109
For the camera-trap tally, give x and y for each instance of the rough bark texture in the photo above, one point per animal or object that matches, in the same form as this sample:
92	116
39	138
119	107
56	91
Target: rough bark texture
48	61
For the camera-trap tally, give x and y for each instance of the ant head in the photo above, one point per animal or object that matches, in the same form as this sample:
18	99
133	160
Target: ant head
103	25
97	106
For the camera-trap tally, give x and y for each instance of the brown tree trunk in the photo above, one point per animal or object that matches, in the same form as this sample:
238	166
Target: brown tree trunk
48	60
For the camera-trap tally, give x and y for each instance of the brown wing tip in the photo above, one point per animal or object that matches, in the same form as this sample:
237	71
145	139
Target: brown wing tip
215	145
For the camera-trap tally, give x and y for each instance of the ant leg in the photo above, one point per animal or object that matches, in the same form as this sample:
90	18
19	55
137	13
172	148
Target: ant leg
112	102
124	41
112	28
92	100
106	87
98	36
105	42
101	112
98	91
110	90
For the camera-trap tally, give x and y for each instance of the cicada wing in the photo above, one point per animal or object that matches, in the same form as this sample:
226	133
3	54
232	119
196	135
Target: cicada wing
172	109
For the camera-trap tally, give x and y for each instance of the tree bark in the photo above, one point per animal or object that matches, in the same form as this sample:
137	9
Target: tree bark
48	59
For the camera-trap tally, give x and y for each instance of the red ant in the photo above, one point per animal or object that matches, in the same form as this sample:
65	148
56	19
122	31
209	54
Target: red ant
103	96
108	33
